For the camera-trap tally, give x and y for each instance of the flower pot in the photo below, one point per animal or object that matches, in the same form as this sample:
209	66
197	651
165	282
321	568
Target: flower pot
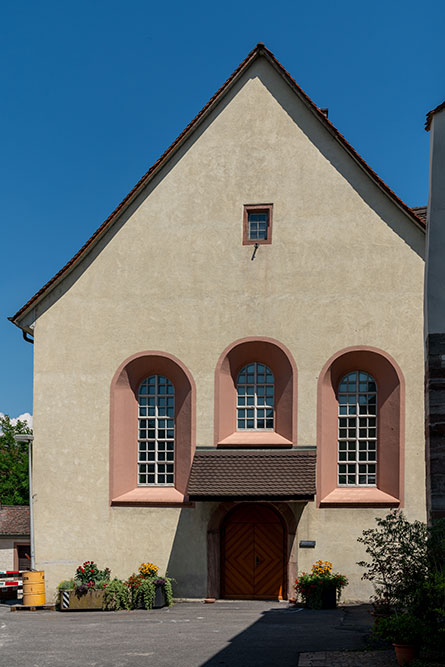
329	597
406	653
159	600
323	598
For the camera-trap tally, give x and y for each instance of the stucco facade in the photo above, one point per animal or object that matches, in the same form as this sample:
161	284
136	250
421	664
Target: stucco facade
344	269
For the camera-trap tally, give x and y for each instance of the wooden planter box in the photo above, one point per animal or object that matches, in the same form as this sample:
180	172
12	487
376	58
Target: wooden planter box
92	600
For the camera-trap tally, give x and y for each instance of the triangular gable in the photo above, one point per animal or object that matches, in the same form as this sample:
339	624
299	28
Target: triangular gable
259	50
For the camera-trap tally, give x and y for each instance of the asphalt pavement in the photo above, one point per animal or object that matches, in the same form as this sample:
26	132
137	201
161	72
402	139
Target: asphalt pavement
189	634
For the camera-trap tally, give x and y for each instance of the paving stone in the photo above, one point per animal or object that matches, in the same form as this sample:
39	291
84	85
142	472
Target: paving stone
348	659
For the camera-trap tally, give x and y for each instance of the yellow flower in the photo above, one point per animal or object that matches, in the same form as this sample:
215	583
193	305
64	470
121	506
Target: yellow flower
322	567
148	569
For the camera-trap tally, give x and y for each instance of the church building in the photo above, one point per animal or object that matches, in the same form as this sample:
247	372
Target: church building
229	374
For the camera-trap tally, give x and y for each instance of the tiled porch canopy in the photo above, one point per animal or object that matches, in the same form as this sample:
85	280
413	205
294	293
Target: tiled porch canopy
252	474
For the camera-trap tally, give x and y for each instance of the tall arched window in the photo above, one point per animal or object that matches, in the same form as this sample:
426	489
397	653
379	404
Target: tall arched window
255	398
357	430
156	440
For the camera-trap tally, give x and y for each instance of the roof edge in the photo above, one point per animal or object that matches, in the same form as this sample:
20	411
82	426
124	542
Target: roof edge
430	114
259	49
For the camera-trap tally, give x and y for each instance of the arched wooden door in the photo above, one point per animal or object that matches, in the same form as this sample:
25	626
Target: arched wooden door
253	554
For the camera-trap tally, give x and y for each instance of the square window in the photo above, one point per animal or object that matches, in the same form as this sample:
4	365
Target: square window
257	224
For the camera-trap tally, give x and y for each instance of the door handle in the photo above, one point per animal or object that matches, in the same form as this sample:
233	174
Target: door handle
257	561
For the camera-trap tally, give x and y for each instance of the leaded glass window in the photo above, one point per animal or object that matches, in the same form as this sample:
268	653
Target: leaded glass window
255	398
156	442
357	430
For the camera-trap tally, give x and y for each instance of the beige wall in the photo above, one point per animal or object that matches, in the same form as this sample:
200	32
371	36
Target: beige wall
345	268
6	553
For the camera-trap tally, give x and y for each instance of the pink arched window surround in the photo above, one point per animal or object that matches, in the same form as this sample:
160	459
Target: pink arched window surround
124	489
390	429
277	357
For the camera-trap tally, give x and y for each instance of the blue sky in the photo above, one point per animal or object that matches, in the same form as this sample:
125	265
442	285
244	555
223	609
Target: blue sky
93	92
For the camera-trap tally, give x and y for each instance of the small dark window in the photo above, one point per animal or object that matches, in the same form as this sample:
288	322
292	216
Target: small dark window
257	224
23	556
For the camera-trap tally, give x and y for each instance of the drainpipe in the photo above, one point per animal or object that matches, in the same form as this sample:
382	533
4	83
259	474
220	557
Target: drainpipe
27	437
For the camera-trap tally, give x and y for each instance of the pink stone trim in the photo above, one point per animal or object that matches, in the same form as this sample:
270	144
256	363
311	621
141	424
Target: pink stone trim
280	361
391	429
353	496
124	488
255	439
257	208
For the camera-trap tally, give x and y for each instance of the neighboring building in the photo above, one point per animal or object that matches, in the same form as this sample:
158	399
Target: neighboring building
232	366
435	317
15	553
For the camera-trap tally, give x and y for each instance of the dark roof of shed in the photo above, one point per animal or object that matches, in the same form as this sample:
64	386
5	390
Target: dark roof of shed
259	50
430	114
14	520
285	473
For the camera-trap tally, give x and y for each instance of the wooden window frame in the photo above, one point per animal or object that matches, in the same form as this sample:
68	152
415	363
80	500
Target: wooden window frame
257	208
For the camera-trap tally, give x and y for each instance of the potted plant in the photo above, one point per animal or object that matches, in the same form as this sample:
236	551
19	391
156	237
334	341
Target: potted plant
86	590
405	632
321	588
148	590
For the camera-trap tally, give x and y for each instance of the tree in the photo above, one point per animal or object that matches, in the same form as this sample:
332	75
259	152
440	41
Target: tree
14	483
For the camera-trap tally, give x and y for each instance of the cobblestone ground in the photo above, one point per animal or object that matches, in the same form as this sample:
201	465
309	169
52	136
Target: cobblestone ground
348	659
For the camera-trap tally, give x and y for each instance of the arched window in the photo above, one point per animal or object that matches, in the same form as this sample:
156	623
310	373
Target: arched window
255	403
152	430
360	430
255	398
156	424
357	430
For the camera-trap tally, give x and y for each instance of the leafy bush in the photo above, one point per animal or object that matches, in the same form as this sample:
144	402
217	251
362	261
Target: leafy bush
406	565
145	593
66	585
401	629
397	561
168	591
430	606
116	596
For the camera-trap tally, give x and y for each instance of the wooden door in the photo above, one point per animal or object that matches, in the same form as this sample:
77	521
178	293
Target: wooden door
253	554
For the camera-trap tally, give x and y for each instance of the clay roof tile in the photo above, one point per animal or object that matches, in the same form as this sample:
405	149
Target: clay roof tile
252	473
14	520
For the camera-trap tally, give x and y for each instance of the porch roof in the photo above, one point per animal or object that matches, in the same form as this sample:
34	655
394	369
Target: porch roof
285	474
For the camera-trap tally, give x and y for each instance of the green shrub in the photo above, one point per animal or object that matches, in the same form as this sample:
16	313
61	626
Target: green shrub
145	593
397	558
116	596
401	629
66	585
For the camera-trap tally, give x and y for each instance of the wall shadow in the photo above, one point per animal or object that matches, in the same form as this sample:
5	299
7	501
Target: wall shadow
281	634
187	563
